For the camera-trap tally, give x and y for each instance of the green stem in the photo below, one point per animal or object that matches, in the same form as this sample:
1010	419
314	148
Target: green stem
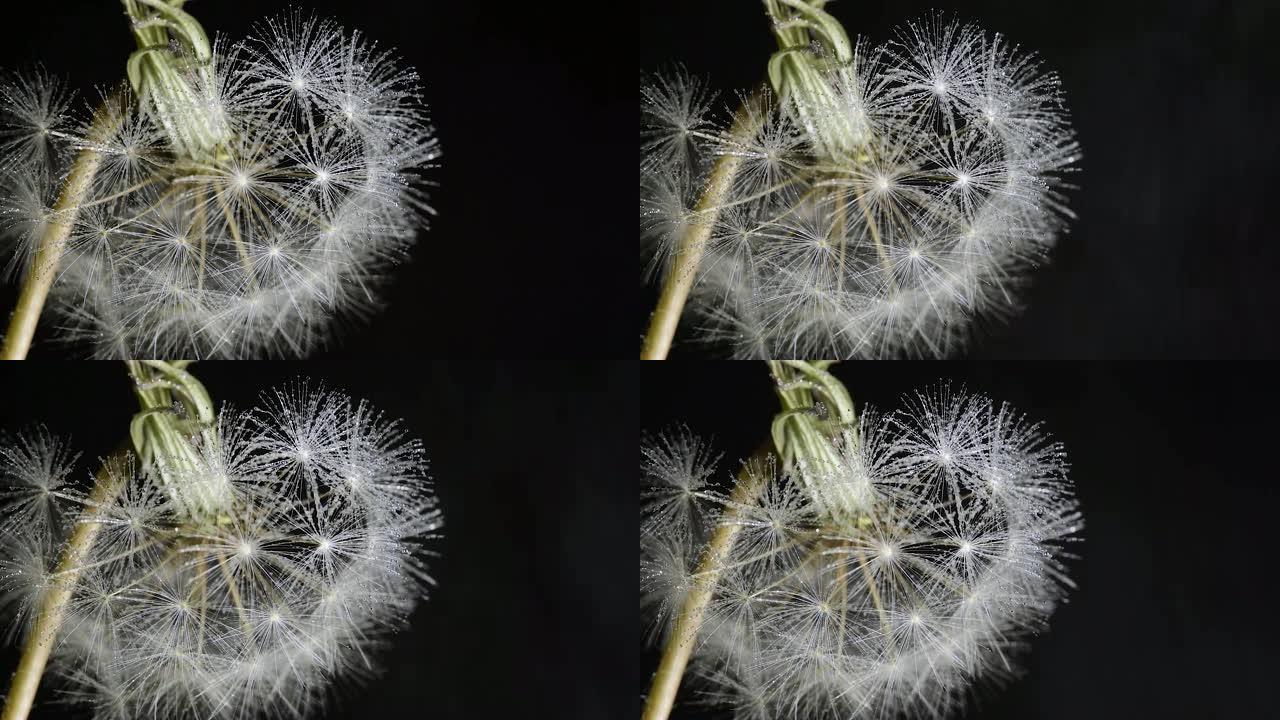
800	432
175	82
181	446
800	75
819	444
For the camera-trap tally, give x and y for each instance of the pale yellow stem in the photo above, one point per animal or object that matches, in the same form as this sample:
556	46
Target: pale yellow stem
41	638
48	256
675	655
44	266
687	255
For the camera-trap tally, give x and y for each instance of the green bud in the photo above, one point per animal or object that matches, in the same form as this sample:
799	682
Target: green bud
171	73
813	50
176	438
816	436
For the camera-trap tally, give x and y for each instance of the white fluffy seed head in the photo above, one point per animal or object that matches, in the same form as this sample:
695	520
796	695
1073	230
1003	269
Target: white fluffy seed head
894	612
946	192
254	614
676	468
264	246
34	110
35	467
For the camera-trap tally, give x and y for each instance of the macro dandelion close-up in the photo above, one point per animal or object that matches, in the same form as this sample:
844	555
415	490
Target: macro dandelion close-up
875	565
300	540
324	411
230	565
950	540
231	198
871	200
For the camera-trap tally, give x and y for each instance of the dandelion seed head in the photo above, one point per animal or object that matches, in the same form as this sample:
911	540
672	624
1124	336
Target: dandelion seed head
253	613
326	142
942	131
894	606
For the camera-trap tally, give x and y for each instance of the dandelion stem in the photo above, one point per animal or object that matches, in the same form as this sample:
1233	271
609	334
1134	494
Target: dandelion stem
679	646
40	640
875	597
875	238
44	266
202	584
687	255
234	591
842	599
838	229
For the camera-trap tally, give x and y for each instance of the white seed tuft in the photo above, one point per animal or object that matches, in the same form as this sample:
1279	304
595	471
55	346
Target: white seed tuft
916	196
254	614
890	611
260	248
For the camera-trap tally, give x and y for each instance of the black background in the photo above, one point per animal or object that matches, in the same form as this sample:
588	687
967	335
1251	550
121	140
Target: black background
536	598
1174	470
535	108
1175	107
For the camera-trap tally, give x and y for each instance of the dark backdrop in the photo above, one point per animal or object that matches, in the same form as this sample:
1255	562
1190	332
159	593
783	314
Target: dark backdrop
1172	465
534	615
535	107
1173	102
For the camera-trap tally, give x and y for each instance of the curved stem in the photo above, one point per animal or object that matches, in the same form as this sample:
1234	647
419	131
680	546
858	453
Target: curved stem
687	255
679	646
44	266
883	256
40	640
